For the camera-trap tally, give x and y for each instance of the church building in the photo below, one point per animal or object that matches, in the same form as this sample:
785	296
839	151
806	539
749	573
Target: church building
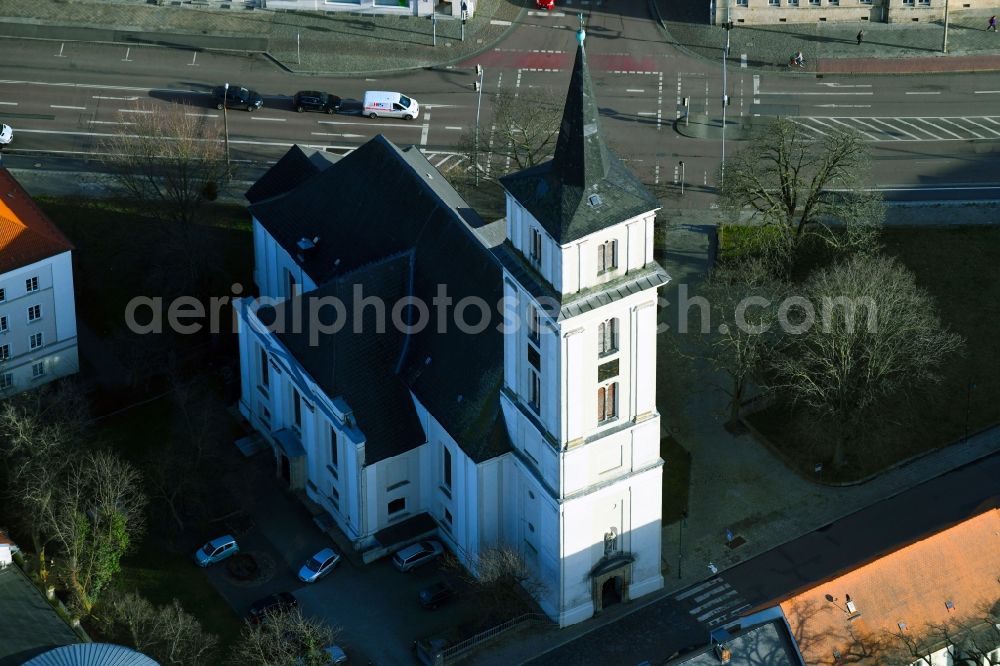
419	372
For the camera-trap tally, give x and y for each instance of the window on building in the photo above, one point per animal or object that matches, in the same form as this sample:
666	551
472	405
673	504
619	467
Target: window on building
741	3
866	2
774	3
534	324
6	380
36	340
31	284
447	468
607	256
607	402
334	458
3	295
292	285
38	369
447	517
265	375
4	352
814	3
535	248
297	407
34	312
833	3
397	505
926	3
535	391
606	371
534	358
607	337
793	3
3	324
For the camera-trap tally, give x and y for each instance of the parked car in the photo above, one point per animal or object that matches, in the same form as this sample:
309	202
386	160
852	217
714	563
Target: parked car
312	100
547	5
417	554
282	602
216	550
6	134
237	97
434	595
319	565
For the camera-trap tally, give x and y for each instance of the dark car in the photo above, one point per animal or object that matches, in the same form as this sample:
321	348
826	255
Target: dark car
312	100
282	602
434	595
237	97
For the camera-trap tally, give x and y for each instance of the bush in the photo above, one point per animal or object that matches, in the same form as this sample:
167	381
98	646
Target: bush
744	241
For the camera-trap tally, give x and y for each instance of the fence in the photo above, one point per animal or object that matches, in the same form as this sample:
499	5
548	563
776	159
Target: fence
453	653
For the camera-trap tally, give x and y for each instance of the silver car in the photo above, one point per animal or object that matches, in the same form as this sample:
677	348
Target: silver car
6	134
419	553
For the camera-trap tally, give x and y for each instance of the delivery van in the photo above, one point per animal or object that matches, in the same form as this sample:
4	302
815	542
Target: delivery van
390	105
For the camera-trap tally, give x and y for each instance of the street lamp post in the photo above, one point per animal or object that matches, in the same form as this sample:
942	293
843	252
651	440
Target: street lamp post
725	103
225	122
682	177
944	43
480	74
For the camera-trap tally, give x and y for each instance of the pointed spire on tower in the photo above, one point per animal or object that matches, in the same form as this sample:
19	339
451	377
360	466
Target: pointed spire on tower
581	158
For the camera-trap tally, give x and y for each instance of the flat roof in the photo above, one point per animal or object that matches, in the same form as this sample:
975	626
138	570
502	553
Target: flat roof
30	625
767	644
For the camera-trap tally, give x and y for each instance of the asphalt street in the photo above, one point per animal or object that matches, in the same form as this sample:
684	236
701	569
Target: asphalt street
934	136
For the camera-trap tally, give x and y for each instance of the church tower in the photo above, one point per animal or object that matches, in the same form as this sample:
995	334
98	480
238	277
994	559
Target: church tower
584	502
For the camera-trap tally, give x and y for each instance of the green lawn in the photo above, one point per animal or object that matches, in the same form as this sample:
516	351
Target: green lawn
958	267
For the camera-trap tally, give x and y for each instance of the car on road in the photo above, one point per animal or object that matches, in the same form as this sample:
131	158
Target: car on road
417	554
384	104
237	97
547	5
313	100
6	134
435	595
282	602
216	550
319	565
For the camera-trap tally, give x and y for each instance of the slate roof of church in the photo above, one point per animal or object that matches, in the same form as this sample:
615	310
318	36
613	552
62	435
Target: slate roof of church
584	187
294	166
388	221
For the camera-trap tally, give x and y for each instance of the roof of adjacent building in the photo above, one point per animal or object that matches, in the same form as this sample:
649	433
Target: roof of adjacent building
584	188
767	644
92	654
915	585
30	625
294	166
392	228
26	233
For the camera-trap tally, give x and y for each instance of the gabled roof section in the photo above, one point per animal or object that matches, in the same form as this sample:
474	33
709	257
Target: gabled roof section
392	227
288	173
26	233
584	188
913	585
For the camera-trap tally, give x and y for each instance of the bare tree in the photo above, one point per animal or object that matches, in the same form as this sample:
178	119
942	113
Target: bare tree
167	633
973	639
744	300
803	184
95	518
166	156
863	331
39	435
500	578
521	134
284	639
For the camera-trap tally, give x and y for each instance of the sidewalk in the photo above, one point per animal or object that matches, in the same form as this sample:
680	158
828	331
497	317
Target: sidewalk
888	48
329	43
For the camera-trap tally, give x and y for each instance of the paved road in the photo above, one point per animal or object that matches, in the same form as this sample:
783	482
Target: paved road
660	629
931	131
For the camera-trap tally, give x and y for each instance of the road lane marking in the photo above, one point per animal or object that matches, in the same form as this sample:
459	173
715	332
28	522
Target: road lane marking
964	129
795	92
109	122
118	99
634	90
135	111
845	85
101	86
346	136
452	127
499	22
426	128
896	129
203	115
743	61
368	124
921	129
277	120
646	113
74	108
843	106
984	127
923	93
986	92
8	103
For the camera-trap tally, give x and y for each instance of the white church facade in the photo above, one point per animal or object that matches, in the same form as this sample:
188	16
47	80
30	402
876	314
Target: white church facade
528	422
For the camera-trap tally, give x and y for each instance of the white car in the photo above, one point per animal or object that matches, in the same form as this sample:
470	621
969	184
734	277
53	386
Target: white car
6	134
319	565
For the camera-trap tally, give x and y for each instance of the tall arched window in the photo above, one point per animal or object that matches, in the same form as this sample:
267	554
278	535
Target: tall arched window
607	256
607	336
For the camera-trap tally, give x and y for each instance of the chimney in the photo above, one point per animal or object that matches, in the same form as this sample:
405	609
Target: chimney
851	608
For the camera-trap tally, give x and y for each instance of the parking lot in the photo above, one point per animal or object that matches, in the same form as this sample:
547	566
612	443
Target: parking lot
375	605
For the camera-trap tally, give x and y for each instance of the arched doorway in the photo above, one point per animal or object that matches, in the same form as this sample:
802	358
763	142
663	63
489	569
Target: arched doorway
610	579
611	591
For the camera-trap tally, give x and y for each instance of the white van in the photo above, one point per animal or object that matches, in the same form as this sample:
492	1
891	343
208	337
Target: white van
390	105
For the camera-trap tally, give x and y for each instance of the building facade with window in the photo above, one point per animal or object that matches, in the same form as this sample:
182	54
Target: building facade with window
37	309
493	384
750	12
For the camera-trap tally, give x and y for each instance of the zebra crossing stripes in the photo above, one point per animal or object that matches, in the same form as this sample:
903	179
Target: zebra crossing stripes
906	128
713	602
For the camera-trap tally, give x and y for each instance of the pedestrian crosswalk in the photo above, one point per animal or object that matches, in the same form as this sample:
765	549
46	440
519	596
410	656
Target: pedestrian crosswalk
713	602
909	128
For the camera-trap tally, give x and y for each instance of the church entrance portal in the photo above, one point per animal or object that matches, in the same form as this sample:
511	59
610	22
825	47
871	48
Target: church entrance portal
611	591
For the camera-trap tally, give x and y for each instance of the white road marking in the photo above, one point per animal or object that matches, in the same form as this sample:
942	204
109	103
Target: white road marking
126	58
346	136
194	60
986	92
634	90
964	129
202	115
794	92
921	129
277	120
8	103
743	61
646	113
498	22
923	93
843	106
845	85
100	86
135	111
452	127
119	99
983	127
372	123
74	108
895	129
426	128
108	122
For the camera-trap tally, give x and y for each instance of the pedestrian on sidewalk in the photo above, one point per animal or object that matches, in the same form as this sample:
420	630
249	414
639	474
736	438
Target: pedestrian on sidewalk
861	36
993	23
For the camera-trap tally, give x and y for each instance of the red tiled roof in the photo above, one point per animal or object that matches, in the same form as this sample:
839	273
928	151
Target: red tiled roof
26	234
912	585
